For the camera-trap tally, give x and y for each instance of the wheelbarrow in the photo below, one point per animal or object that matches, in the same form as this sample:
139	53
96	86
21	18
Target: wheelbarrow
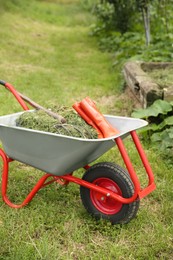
107	190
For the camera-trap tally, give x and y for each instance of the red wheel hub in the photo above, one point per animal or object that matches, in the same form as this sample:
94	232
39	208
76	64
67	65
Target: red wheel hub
104	203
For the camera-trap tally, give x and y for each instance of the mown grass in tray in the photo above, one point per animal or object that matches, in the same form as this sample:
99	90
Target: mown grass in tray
75	126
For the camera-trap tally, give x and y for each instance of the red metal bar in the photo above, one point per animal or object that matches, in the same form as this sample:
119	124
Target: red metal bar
143	156
101	190
4	184
16	95
151	185
129	167
57	179
69	178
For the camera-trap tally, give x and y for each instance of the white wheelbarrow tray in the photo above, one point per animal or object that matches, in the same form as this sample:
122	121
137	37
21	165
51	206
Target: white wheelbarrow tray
58	154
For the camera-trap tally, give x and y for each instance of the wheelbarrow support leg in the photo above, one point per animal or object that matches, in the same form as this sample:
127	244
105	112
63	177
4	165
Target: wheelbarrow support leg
151	185
41	183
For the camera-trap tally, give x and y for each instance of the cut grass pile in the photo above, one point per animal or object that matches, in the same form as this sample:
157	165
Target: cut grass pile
74	126
47	54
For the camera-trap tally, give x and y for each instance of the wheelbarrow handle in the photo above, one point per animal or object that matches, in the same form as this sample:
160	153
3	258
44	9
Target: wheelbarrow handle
21	98
2	82
14	92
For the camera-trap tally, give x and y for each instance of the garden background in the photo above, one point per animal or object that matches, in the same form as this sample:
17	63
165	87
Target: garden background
48	53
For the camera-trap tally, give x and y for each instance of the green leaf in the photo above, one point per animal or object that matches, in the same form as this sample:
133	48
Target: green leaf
165	138
147	129
156	137
166	122
170	132
152	127
158	107
141	113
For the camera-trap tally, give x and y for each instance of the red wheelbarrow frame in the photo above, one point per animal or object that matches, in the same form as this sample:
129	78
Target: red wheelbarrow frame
65	179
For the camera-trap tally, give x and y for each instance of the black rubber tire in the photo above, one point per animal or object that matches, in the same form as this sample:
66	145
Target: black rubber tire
121	178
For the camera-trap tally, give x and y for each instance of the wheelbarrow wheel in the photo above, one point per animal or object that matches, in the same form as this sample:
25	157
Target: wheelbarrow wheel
115	178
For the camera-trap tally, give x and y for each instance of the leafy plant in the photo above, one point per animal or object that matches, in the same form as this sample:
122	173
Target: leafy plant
160	128
88	4
113	16
129	41
104	24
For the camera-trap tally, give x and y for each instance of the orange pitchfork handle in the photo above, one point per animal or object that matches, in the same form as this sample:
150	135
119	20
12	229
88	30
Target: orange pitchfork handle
88	111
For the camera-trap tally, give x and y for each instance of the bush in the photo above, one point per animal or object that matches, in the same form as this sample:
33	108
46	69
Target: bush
127	38
159	132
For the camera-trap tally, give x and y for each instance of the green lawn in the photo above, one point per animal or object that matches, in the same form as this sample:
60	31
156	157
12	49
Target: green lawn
47	54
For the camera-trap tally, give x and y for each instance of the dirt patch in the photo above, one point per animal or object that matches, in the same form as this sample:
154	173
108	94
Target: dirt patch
122	104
